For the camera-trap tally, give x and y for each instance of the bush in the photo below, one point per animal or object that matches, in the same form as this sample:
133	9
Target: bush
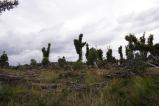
13	96
92	56
136	64
4	60
133	92
62	62
77	66
33	62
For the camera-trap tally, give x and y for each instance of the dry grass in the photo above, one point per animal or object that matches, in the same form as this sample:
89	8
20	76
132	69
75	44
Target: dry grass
153	71
49	76
136	91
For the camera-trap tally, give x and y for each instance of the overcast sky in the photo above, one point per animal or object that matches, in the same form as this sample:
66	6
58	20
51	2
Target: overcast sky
27	28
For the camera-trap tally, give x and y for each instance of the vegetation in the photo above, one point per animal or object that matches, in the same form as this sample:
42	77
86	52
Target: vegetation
87	52
78	46
133	92
137	51
100	54
4	60
77	84
121	54
80	84
7	5
33	62
77	65
87	88
92	56
62	61
46	54
110	57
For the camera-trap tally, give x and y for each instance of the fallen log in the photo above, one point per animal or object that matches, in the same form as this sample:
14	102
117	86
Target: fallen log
153	65
9	77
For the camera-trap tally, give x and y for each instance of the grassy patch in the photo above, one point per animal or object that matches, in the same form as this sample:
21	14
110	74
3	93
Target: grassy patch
19	96
136	91
49	76
92	78
133	92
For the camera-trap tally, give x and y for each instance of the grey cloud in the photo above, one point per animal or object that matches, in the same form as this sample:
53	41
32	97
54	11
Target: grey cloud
140	22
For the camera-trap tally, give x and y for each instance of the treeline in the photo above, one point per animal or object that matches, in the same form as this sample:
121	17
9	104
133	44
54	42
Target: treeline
139	54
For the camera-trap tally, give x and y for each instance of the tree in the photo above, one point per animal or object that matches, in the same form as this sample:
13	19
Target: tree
100	54
109	56
140	45
150	40
155	50
137	45
132	41
46	54
120	53
4	60
33	62
87	52
137	51
129	53
92	56
7	5
78	46
142	39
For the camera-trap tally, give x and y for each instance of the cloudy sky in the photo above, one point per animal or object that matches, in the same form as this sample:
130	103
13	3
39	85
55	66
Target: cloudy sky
27	28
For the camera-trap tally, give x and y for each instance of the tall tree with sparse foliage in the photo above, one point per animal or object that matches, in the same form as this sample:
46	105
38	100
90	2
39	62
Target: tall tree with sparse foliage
87	52
137	51
109	56
150	40
140	44
92	56
4	60
46	54
120	53
129	53
7	5
100	54
78	46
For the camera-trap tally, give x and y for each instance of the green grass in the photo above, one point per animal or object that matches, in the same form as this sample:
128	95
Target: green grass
133	92
137	91
19	96
119	92
49	76
90	78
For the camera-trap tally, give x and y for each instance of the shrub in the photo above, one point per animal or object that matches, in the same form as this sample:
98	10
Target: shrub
133	92
62	61
33	62
4	60
110	57
77	66
136	64
92	56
